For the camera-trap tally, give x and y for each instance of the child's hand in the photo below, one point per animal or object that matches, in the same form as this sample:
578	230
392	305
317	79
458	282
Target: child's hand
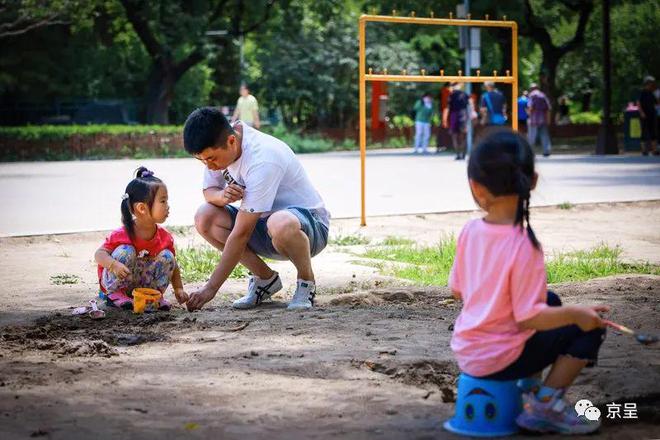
119	269
588	317
181	295
232	193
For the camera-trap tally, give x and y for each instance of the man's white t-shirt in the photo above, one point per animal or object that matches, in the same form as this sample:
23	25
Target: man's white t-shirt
272	176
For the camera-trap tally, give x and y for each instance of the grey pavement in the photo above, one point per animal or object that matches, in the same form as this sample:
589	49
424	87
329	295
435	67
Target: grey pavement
61	197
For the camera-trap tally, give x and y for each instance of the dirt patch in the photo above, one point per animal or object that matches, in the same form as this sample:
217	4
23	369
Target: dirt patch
359	370
408	295
64	335
372	360
441	375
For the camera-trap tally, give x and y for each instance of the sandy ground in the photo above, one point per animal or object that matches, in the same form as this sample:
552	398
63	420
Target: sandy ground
371	361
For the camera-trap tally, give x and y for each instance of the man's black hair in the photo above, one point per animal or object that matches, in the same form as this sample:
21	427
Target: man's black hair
205	127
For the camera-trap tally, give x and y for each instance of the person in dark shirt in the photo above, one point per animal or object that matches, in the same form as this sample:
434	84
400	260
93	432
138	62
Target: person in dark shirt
648	118
562	117
493	105
455	118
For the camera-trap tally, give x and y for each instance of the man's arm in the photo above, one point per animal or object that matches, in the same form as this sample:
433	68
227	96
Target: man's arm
639	109
231	255
222	197
234	117
255	114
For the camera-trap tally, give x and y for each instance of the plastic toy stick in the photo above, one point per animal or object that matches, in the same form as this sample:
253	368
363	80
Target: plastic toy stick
641	338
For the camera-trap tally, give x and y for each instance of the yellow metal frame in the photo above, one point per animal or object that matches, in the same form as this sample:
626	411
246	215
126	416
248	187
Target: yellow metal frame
364	76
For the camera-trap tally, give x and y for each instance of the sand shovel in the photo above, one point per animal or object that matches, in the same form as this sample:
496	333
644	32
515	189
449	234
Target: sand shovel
95	313
640	337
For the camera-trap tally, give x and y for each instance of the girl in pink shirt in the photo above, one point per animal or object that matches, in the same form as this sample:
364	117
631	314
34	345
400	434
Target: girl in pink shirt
140	253
510	327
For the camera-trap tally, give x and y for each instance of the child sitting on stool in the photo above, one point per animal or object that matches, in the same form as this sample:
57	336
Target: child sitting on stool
510	327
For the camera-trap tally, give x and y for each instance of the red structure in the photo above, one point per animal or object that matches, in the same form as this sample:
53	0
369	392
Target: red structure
378	110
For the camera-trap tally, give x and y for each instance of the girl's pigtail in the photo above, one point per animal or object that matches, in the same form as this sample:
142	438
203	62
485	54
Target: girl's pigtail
522	213
127	216
530	231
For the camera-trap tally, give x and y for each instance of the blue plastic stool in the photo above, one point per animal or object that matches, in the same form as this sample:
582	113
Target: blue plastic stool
485	408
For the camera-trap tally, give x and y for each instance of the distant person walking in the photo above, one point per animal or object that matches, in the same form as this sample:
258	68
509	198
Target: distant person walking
441	140
647	112
423	115
563	116
522	109
539	119
493	105
455	118
247	108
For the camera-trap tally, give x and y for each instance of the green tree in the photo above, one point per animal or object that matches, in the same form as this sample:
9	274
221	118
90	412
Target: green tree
306	63
174	34
18	17
537	25
634	51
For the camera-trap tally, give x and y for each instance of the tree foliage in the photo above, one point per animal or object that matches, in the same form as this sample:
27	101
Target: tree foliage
300	56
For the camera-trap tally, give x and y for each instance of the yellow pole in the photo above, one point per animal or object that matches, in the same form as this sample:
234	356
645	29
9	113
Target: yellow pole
514	73
437	21
363	77
436	78
363	120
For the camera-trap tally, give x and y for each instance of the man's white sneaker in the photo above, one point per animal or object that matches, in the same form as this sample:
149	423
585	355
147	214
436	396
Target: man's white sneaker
303	299
259	291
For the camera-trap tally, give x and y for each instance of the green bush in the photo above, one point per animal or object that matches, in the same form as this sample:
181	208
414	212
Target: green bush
299	142
585	118
402	121
62	132
67	142
398	142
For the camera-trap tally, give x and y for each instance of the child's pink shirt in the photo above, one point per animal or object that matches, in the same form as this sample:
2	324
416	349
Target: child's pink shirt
501	279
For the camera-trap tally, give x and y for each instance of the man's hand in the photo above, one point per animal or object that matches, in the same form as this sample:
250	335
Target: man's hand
197	299
232	193
588	317
181	295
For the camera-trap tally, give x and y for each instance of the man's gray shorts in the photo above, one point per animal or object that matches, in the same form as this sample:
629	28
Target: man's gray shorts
262	244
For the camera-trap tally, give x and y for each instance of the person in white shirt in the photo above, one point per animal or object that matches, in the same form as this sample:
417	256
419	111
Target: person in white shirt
281	216
247	108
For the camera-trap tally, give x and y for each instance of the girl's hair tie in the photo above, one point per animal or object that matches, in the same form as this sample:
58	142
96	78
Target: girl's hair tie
146	173
124	196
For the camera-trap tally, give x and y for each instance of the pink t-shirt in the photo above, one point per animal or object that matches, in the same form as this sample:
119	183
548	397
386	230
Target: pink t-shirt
501	278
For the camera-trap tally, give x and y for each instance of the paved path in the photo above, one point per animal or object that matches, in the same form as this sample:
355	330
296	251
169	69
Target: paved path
57	197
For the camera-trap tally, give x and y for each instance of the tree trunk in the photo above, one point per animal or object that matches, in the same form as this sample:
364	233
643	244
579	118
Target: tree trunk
548	80
160	91
585	102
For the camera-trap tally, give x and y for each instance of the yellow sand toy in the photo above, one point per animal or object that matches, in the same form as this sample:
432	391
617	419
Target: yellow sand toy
146	300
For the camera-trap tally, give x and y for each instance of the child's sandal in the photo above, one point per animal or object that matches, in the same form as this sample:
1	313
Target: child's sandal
119	300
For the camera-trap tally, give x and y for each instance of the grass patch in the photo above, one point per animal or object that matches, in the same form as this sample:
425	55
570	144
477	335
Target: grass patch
179	230
197	263
566	206
430	265
64	278
600	261
349	240
392	240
